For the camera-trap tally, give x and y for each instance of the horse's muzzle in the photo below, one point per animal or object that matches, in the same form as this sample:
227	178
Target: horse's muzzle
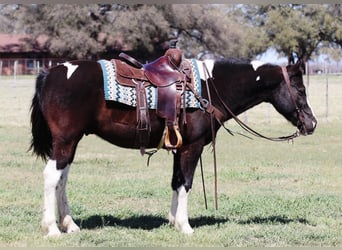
308	127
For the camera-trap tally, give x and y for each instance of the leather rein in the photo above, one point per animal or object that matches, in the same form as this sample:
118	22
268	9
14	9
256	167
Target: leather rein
218	115
248	128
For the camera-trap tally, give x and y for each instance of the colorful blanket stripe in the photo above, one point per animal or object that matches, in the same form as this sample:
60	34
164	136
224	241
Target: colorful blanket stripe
113	91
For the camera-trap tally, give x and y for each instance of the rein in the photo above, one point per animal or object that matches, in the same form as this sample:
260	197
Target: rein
298	110
217	114
249	129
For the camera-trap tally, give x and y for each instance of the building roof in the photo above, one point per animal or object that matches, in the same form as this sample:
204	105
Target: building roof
17	43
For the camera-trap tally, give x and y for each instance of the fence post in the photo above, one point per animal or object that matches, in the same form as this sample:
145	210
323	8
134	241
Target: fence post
326	92
38	67
15	70
0	68
307	70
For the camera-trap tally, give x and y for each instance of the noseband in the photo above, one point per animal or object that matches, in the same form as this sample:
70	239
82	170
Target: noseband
298	110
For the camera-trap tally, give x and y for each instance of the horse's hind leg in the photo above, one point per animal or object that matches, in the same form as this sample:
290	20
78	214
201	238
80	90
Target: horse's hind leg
66	222
51	177
55	178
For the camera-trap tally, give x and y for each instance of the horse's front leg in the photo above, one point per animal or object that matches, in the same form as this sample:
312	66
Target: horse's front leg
66	222
185	162
178	215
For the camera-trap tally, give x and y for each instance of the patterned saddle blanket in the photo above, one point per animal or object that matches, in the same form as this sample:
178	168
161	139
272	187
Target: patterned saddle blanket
114	91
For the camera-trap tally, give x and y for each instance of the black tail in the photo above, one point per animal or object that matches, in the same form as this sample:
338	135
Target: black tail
41	142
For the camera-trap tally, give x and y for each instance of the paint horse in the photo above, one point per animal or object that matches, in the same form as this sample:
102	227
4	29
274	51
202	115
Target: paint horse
69	103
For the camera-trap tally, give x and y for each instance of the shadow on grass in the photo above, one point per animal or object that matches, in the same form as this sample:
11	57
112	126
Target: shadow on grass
145	222
272	220
149	222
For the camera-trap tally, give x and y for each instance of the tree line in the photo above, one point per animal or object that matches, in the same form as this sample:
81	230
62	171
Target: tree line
240	30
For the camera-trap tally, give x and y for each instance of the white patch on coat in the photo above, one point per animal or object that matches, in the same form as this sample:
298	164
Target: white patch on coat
313	123
256	64
209	64
70	68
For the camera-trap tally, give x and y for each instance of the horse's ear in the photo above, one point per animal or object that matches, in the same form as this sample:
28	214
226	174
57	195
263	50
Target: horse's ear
300	65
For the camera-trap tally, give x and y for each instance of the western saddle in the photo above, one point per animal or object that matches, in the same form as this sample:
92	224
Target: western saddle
170	75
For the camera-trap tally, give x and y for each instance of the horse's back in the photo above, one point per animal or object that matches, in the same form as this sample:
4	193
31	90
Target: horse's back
71	94
75	73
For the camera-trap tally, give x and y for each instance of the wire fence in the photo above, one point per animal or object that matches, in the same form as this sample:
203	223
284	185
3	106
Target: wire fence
26	66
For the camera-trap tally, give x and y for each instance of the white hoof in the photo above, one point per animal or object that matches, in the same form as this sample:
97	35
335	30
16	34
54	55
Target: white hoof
185	228
51	231
69	226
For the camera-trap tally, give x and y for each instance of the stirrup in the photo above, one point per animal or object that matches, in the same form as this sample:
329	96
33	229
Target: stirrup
168	144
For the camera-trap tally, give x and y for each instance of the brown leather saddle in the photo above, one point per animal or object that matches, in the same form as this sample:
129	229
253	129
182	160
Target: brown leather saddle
169	74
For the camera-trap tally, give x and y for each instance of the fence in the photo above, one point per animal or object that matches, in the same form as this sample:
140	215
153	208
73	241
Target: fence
25	66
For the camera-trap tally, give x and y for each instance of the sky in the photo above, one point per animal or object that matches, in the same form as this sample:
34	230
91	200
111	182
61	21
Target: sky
272	56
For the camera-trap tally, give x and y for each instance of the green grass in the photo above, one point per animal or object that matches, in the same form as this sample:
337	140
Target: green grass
269	194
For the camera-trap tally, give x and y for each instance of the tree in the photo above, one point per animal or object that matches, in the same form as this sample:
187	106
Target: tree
198	28
7	20
86	31
205	28
71	32
249	21
299	30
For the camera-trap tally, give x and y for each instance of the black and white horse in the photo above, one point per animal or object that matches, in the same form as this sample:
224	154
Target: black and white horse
69	103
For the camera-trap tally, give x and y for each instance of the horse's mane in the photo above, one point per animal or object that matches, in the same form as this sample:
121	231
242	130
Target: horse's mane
233	61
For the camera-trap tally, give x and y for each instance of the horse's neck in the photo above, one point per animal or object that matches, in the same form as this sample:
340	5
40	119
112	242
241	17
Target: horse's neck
240	97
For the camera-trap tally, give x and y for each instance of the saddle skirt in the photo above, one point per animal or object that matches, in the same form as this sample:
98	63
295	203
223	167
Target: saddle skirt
120	88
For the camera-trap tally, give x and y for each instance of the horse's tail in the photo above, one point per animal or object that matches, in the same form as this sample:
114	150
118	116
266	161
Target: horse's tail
41	142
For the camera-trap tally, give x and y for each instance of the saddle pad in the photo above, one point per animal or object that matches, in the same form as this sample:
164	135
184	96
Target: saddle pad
113	91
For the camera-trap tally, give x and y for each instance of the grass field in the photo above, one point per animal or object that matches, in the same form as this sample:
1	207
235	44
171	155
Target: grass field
270	193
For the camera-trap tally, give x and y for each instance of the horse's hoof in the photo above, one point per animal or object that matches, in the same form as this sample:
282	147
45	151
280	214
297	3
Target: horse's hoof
53	233
73	228
185	228
172	219
69	225
50	230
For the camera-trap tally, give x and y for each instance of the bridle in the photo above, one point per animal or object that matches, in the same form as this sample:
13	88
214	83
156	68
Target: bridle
298	110
218	115
254	132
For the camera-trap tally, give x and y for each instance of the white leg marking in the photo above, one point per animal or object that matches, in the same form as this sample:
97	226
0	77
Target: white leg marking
70	69
65	220
51	178
182	220
174	205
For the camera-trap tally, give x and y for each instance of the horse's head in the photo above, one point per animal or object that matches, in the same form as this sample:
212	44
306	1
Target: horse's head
288	95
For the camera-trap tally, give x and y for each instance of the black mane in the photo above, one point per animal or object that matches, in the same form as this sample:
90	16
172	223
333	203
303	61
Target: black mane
233	61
